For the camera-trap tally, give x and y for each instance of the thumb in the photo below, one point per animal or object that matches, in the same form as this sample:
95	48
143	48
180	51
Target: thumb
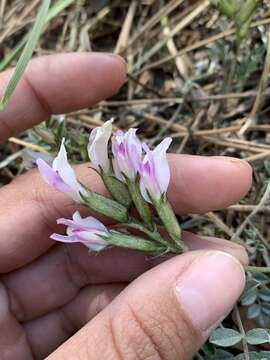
167	313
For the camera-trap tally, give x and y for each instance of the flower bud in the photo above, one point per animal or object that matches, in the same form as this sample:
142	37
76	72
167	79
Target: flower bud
98	146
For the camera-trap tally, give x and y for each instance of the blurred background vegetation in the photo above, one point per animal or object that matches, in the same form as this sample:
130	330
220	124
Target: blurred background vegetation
199	72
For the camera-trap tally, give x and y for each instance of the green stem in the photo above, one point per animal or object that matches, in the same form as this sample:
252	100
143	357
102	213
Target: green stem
256	269
153	235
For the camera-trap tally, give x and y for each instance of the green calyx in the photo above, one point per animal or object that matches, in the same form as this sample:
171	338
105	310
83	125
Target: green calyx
117	188
141	205
105	206
169	220
134	242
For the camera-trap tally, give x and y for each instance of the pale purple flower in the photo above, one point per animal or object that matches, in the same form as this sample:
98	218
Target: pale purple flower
98	146
154	171
61	176
88	231
127	153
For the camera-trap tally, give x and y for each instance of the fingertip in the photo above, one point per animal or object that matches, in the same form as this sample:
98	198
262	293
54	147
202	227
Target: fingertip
241	171
207	183
206	292
198	242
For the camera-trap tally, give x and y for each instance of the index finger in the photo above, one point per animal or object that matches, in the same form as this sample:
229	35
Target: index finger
58	84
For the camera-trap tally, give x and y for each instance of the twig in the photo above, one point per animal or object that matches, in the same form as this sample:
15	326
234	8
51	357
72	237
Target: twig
27	144
242	331
199	44
125	32
261	156
164	11
262	86
248	208
262	203
222	226
10	158
180	26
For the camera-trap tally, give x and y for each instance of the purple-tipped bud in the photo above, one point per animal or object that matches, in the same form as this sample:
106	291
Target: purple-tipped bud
127	152
88	231
98	146
154	171
61	176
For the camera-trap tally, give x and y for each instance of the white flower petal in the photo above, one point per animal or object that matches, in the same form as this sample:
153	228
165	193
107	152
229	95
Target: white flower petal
89	222
63	168
98	146
162	170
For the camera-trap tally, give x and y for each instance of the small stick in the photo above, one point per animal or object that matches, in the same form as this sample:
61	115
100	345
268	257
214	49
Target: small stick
262	203
27	144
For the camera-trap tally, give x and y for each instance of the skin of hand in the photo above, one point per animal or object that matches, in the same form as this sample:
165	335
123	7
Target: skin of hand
58	301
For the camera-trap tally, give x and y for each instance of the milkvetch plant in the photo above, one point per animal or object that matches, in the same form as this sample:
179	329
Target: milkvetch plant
240	12
137	179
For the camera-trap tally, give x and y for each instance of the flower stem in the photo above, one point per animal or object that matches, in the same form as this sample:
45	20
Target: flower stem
153	235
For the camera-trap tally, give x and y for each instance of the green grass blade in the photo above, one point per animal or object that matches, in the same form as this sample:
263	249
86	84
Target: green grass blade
27	53
55	9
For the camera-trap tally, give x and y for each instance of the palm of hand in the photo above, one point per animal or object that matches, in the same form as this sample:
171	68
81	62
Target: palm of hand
49	291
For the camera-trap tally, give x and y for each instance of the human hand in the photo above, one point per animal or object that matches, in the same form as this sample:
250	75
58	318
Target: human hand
50	291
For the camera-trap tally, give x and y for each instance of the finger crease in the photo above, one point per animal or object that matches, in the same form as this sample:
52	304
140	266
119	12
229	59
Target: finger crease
148	336
45	106
67	324
114	341
15	306
73	271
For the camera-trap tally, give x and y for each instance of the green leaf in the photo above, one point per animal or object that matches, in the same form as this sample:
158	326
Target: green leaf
254	311
264	294
266	308
225	337
225	7
262	355
258	336
55	9
221	355
249	297
27	53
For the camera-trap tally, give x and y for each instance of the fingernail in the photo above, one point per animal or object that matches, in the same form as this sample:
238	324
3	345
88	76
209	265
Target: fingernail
208	289
119	58
236	161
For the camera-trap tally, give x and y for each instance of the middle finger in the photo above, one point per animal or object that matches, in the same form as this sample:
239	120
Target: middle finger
29	208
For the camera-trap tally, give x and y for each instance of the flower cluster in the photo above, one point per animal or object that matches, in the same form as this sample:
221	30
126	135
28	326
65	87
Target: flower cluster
134	175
